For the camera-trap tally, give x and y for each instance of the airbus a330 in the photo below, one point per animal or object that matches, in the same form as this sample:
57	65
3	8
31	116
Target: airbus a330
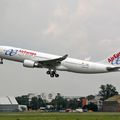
34	59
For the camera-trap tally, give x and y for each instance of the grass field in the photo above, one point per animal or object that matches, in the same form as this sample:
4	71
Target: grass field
59	116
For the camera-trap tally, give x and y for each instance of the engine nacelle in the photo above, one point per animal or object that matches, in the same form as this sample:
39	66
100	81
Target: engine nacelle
29	63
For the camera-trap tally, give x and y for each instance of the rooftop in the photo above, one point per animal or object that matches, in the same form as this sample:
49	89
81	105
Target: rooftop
8	100
114	98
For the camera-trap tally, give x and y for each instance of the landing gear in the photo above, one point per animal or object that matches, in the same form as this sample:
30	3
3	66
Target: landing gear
52	73
1	61
56	75
48	72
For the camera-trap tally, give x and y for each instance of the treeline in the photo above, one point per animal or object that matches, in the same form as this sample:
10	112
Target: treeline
61	103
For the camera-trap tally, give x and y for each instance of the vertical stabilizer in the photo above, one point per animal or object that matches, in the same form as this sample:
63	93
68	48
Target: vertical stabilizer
113	59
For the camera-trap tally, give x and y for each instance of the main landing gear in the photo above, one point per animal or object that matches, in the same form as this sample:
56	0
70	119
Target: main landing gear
52	73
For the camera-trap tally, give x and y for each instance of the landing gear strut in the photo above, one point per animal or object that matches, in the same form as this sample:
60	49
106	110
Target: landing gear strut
1	61
52	73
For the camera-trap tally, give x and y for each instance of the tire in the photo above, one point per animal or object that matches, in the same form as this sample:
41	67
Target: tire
48	72
51	75
56	75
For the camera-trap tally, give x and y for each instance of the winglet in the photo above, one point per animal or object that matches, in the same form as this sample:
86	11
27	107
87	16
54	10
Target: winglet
64	57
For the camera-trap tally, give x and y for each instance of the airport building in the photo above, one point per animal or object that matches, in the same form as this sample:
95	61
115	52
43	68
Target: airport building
112	104
8	104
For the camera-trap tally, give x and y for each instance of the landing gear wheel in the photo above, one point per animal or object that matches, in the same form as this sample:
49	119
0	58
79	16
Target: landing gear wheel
48	72
51	75
56	75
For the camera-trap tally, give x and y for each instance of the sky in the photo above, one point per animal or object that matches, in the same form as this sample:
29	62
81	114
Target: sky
80	28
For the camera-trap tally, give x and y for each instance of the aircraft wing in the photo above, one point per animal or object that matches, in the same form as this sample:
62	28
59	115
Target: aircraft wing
52	62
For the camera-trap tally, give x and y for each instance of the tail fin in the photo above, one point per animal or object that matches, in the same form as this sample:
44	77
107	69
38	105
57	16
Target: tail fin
113	59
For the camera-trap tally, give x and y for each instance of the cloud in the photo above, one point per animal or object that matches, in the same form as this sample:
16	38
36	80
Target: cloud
82	8
61	11
112	45
66	27
105	43
52	29
79	28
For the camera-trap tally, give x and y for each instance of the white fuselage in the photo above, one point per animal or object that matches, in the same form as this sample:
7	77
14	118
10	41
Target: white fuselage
69	64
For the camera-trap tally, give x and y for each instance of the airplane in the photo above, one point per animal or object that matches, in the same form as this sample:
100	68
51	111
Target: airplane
34	59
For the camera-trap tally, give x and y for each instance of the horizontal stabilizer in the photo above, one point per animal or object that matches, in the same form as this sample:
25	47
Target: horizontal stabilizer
111	69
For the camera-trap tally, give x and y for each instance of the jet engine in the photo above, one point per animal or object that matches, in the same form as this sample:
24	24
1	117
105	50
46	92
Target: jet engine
29	63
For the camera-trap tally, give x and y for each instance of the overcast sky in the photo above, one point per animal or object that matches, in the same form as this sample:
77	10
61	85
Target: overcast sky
80	28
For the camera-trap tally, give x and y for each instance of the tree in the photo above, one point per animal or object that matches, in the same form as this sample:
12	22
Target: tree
36	103
23	100
59	102
90	97
107	91
92	106
72	104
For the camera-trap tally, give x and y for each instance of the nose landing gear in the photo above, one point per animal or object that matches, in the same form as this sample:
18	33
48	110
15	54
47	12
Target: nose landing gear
1	61
52	73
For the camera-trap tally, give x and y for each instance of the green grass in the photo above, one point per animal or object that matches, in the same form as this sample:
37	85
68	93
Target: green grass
59	116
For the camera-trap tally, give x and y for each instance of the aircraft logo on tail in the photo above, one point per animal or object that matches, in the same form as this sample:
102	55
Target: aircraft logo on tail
115	59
